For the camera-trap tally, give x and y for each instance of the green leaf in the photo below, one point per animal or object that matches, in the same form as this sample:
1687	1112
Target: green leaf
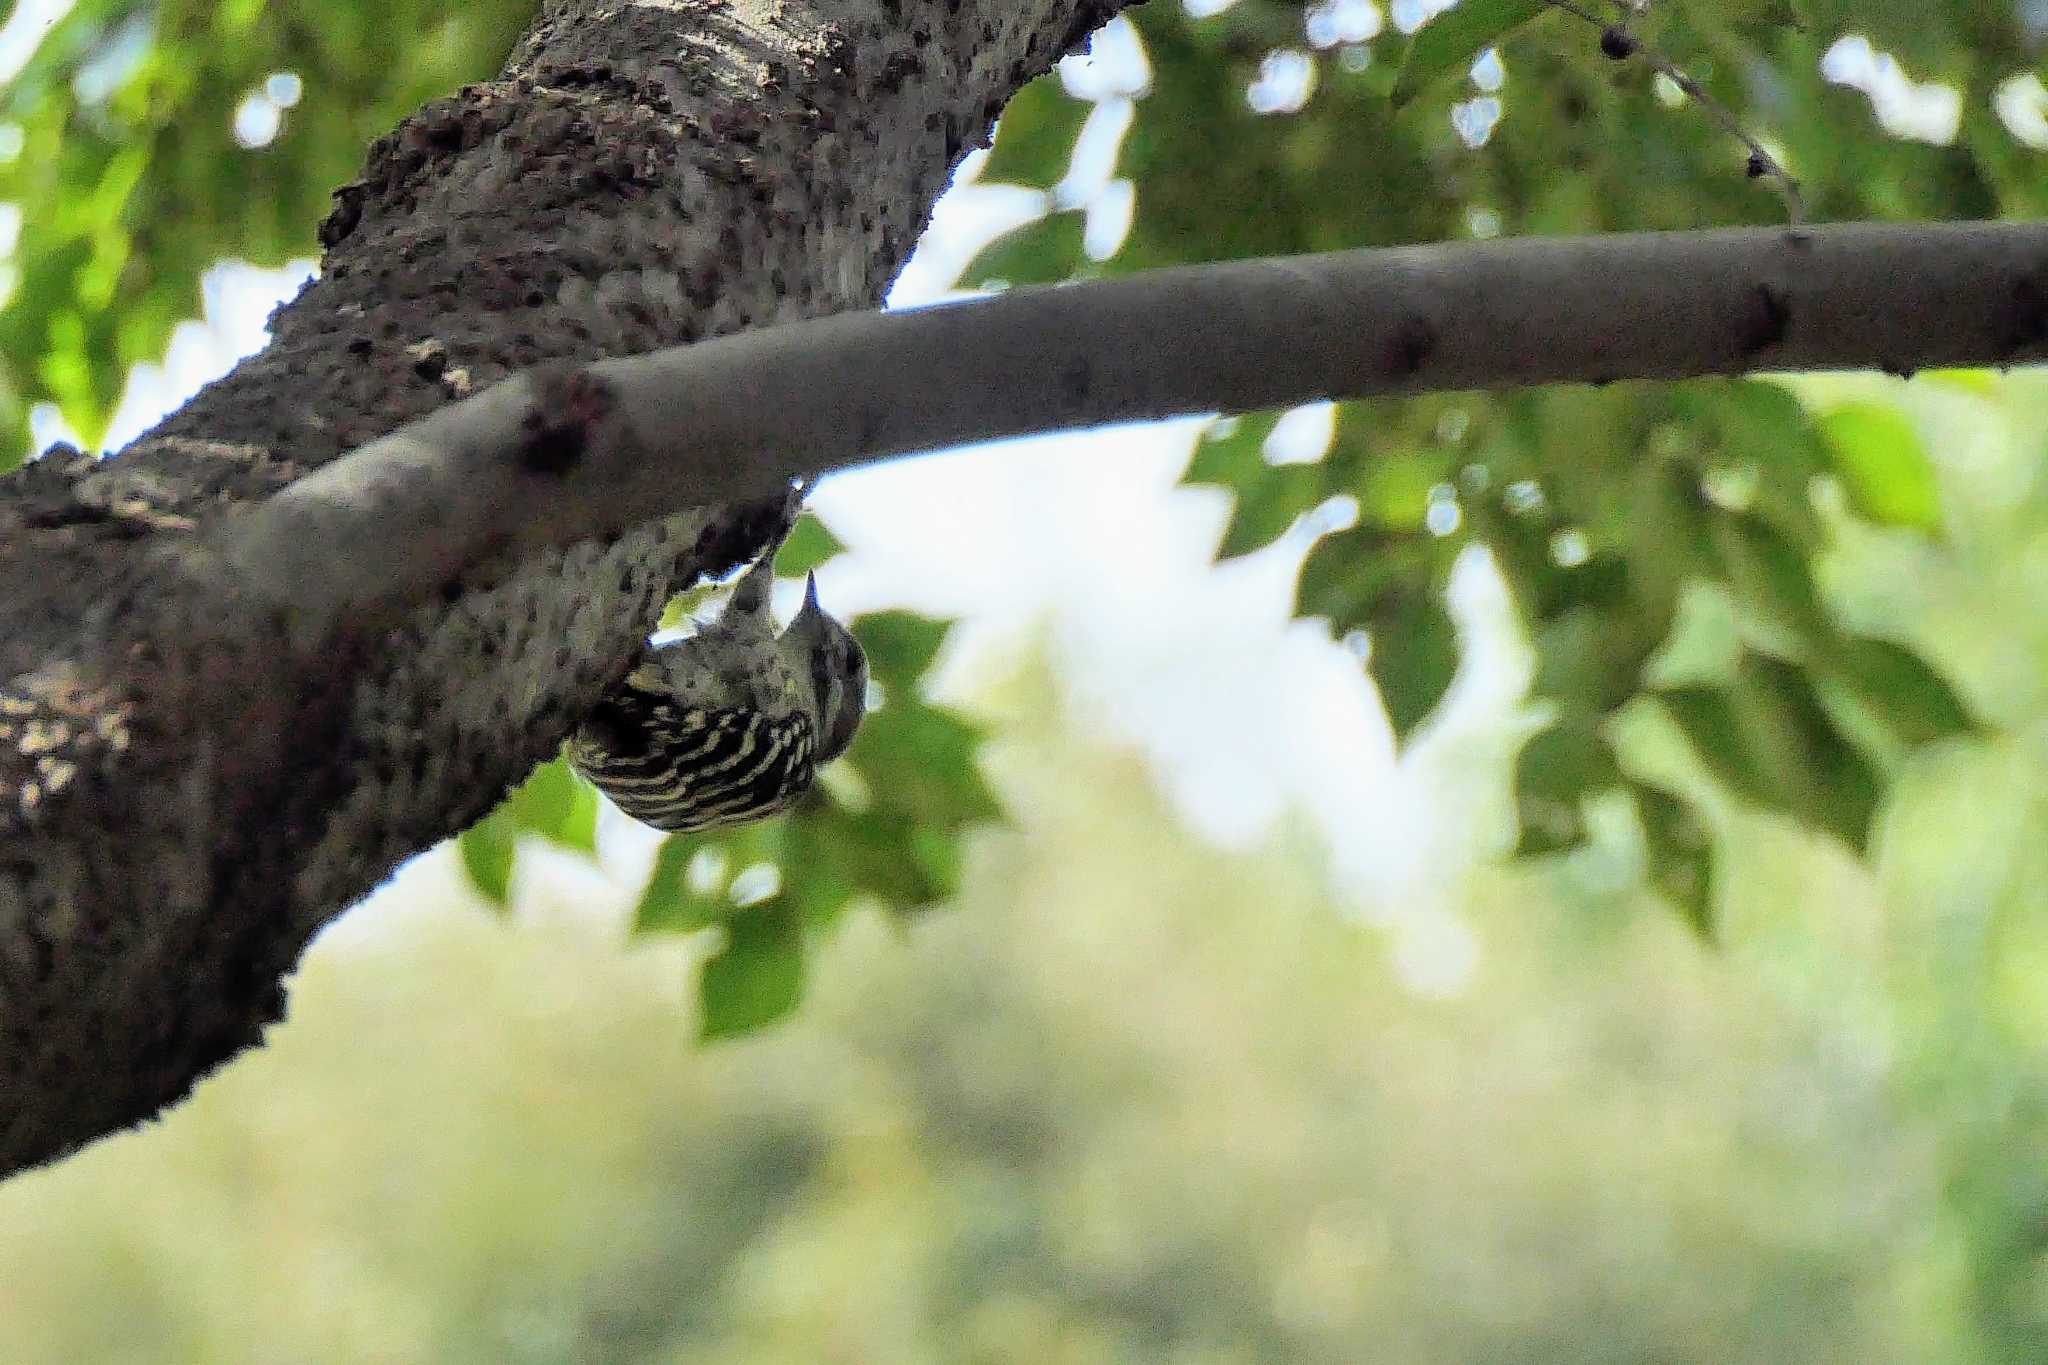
1585	658
554	803
1414	654
1347	571
1231	452
1044	251
681	612
1035	136
557	805
1704	648
1268	498
668	903
1770	739
1394	492
819	880
487	848
1679	850
1772	580
758	976
1666	524
810	544
922	758
1450	41
869	853
1882	464
1763	433
1979	383
900	646
1555	772
1898	689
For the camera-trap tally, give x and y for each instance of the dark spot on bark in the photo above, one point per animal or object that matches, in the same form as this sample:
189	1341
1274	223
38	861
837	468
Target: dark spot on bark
552	443
567	405
2024	320
1769	318
1410	347
897	70
1617	43
44	952
1077	380
348	211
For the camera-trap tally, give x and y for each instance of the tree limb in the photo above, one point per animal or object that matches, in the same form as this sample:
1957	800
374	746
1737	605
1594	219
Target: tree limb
558	457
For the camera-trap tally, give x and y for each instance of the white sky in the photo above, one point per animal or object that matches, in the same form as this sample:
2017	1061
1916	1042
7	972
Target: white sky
27	21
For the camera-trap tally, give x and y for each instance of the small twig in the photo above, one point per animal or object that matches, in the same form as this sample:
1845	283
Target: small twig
1619	44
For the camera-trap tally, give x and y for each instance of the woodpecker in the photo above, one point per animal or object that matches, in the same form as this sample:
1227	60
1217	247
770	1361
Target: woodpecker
730	724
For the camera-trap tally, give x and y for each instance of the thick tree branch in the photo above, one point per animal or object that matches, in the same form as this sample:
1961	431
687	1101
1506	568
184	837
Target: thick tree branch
556	458
184	797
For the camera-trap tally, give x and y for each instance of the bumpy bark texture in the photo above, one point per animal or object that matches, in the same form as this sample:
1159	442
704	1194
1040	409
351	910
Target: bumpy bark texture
184	800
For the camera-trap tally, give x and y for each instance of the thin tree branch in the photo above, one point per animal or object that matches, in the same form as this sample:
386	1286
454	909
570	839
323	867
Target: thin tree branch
555	457
1619	42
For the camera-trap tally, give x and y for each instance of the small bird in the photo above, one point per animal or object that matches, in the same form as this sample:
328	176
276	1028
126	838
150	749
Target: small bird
730	724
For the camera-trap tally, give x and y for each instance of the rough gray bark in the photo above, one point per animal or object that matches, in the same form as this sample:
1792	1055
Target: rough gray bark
185	798
624	440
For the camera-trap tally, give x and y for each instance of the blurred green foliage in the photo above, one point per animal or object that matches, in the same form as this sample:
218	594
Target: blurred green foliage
130	179
1450	43
1603	509
1138	1101
553	803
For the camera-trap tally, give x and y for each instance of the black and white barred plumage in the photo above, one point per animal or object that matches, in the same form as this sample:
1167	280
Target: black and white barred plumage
730	724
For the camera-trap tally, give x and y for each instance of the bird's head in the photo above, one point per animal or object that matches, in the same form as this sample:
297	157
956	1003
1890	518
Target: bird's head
826	652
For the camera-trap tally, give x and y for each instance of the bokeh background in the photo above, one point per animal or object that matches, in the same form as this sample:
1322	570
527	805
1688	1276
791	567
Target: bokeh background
1243	1036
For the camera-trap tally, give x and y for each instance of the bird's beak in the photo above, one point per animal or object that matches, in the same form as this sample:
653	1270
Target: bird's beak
810	607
